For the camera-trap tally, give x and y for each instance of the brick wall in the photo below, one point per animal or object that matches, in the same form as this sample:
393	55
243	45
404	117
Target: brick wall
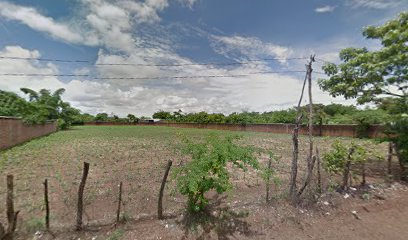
325	130
13	131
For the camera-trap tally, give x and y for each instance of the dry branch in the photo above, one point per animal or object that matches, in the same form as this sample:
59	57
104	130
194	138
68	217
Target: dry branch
295	153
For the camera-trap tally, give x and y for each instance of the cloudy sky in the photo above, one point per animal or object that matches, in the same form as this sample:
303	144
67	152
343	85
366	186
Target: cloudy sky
179	54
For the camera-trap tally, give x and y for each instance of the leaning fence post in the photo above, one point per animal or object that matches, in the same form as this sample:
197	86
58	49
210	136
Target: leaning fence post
47	206
160	203
119	203
81	197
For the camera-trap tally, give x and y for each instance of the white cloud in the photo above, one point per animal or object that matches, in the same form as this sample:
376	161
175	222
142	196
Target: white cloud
32	18
113	26
376	4
251	47
325	9
188	3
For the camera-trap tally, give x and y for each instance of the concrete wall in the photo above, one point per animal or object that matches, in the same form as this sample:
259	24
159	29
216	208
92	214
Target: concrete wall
13	131
324	130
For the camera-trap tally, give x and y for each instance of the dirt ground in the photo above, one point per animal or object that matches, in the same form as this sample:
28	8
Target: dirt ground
383	217
137	156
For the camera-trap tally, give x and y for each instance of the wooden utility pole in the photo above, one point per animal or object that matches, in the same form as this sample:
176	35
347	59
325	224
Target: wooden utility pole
294	193
80	207
310	158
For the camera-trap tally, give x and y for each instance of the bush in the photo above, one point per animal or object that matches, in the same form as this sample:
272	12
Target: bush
335	160
61	124
208	168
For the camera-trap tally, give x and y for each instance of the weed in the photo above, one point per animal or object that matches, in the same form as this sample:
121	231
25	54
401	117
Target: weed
116	235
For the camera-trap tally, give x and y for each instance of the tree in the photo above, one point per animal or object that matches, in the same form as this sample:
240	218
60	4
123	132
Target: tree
51	107
162	115
13	105
132	118
377	76
368	76
101	117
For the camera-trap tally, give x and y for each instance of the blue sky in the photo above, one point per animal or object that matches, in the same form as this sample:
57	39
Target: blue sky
157	32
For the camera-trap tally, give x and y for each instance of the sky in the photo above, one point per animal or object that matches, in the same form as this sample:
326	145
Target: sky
193	55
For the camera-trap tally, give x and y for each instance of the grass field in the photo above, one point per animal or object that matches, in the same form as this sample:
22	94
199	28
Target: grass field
134	155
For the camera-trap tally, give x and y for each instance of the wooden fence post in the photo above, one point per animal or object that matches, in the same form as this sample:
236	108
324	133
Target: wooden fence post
268	178
81	197
346	171
389	161
11	215
160	203
47	206
119	203
319	176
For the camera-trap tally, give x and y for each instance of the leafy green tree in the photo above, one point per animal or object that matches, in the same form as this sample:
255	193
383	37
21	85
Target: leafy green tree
377	76
335	109
368	76
162	115
208	168
101	117
52	104
132	118
13	105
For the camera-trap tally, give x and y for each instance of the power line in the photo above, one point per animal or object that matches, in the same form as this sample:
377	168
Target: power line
42	75
249	61
156	77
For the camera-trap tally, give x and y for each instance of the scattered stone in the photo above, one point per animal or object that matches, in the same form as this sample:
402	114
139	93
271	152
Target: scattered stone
354	212
346	196
326	203
380	197
353	189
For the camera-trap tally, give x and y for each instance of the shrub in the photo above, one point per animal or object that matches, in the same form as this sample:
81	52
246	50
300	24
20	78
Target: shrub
341	157
61	124
208	168
335	160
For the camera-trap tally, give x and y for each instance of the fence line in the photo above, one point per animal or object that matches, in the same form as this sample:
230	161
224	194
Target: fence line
339	130
13	131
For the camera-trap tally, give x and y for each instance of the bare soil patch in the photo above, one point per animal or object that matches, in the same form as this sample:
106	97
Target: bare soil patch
137	156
